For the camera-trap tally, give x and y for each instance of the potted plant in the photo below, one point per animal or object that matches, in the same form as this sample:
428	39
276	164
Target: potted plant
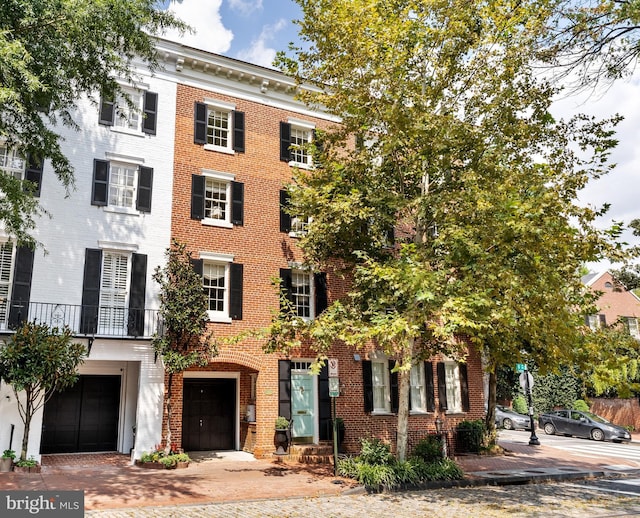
29	465
160	459
6	461
281	437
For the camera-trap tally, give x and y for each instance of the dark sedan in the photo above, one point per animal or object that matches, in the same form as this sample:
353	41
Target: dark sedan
582	424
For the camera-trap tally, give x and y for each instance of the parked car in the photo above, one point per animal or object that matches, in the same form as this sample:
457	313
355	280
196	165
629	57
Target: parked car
510	420
582	424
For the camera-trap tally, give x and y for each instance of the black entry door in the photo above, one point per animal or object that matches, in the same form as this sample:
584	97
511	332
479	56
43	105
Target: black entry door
83	418
208	414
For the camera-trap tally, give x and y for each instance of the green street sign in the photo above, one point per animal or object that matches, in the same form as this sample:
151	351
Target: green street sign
521	367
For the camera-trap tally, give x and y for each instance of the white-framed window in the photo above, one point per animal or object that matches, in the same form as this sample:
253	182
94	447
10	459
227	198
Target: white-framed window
216	283
123	180
114	291
418	389
302	293
7	254
595	322
299	225
380	384
632	325
129	117
11	162
219	132
452	382
217	198
300	138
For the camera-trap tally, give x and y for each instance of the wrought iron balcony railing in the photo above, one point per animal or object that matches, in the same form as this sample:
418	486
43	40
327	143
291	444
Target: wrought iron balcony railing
83	320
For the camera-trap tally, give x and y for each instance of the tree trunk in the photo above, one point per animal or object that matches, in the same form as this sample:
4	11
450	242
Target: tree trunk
490	420
28	414
404	387
167	402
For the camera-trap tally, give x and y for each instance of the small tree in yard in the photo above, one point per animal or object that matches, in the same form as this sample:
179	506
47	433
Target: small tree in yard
184	342
38	361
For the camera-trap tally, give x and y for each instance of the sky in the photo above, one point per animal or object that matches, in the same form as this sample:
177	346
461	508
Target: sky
254	30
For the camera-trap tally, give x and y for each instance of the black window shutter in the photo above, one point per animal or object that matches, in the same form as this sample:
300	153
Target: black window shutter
197	196
285	219
237	203
107	112
150	110
442	386
137	289
464	386
320	281
285	141
393	382
198	266
91	291
21	290
367	385
235	292
285	275
238	131
34	174
200	124
284	388
324	404
431	395
100	189
145	183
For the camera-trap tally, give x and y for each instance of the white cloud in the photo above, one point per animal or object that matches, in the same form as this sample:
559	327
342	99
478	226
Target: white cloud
204	16
259	53
245	7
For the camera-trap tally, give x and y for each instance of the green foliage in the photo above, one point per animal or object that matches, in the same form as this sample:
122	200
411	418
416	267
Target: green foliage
52	54
429	449
443	469
169	460
375	452
554	390
282	423
8	454
27	463
184	341
470	435
520	404
580	404
37	361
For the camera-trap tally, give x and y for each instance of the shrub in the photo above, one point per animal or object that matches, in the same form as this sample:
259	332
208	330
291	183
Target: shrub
520	404
444	469
470	435
580	404
429	449
375	452
282	423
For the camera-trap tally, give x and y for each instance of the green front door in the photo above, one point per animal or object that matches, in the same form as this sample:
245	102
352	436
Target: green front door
303	405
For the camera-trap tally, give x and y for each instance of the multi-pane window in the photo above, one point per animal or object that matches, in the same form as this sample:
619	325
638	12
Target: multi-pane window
452	381
418	389
380	383
218	127
114	286
129	116
301	293
300	224
595	322
300	138
6	260
216	199
215	286
11	163
122	185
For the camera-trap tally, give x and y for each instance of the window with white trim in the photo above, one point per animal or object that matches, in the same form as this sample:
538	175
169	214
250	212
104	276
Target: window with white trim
218	126
11	162
217	285
302	293
632	326
114	291
129	117
418	388
380	384
452	382
595	322
217	193
122	184
300	138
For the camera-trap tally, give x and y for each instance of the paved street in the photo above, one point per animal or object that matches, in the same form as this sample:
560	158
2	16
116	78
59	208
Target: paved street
548	500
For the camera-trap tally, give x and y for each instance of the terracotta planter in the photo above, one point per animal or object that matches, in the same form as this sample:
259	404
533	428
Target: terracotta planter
159	465
27	469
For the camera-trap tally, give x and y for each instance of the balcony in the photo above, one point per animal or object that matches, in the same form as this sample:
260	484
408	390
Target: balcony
83	320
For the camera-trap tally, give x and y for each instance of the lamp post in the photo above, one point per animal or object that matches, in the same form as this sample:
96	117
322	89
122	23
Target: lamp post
526	382
441	436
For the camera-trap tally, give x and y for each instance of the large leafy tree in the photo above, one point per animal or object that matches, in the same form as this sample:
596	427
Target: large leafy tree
184	340
38	361
456	148
51	53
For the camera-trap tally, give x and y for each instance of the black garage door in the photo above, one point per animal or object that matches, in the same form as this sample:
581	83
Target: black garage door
83	418
208	414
